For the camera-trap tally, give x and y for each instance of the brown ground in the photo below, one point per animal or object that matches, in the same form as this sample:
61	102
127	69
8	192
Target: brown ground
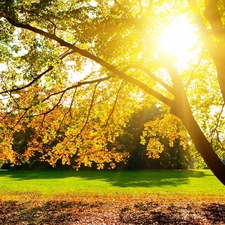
113	211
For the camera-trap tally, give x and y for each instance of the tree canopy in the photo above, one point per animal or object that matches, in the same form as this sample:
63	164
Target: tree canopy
73	72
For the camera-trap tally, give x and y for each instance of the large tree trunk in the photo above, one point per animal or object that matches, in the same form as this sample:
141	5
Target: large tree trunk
181	108
183	111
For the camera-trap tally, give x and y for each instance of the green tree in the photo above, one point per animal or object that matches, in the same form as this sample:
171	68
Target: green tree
115	43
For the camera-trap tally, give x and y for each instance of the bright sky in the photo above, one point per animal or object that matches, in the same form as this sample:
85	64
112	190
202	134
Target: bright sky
3	67
178	39
74	75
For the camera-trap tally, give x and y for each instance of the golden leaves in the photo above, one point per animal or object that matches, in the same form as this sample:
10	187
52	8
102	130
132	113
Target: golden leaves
6	151
78	126
154	148
168	127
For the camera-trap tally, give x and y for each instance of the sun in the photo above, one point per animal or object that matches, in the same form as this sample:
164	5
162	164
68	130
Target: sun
178	40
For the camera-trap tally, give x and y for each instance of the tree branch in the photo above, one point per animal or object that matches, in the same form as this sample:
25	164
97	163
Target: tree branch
89	110
66	53
96	59
154	77
217	122
62	92
194	69
114	105
213	16
77	85
217	52
205	35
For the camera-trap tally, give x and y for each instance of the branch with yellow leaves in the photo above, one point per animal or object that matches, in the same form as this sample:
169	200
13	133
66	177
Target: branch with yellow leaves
98	60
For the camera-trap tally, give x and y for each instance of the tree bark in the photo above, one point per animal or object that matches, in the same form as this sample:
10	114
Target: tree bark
217	49
181	108
200	141
213	15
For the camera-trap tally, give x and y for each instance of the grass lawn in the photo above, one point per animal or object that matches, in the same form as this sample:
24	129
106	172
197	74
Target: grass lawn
56	182
124	196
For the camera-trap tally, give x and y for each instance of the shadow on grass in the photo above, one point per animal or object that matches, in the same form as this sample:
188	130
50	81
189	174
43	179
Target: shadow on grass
145	178
150	178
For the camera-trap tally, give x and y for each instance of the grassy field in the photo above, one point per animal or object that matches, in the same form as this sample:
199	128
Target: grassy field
111	197
101	183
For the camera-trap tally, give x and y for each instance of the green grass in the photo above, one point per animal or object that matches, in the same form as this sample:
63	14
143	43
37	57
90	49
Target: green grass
108	183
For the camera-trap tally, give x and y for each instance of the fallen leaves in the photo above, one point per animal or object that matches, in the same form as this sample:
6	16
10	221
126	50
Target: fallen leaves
151	211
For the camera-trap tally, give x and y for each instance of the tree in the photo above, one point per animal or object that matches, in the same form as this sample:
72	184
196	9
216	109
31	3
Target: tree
173	156
43	41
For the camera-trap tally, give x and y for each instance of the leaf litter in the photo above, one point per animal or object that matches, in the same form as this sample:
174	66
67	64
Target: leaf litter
126	211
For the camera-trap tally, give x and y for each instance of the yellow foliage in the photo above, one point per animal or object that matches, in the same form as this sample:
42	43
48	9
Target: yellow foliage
154	148
168	127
